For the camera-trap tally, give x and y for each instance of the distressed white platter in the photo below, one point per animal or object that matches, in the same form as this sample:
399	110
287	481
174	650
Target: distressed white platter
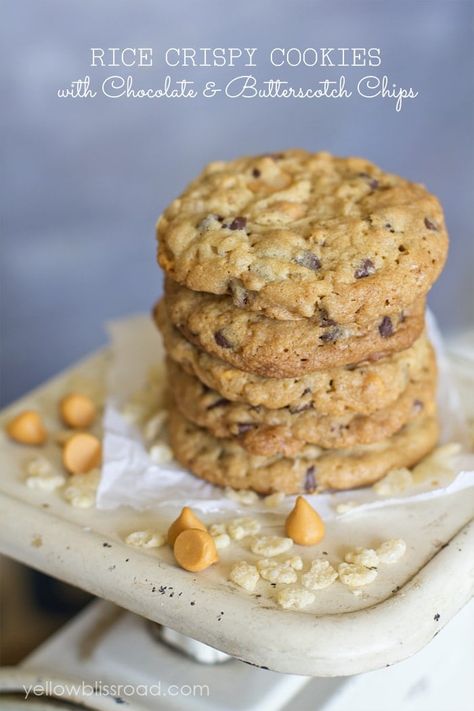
340	634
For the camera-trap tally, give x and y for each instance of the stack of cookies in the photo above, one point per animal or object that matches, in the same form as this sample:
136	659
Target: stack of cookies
294	322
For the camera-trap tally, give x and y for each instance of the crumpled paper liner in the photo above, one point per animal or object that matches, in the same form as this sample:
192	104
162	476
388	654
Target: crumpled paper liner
130	478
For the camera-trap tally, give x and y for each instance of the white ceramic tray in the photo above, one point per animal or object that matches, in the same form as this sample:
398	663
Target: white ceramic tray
340	634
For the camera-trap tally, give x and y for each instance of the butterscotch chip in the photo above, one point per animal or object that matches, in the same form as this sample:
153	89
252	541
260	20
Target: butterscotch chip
77	411
304	525
27	428
187	519
195	550
81	453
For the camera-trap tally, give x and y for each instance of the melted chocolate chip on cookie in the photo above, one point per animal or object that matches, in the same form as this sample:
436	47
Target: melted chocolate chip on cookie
221	340
366	269
310	480
238	223
386	327
309	260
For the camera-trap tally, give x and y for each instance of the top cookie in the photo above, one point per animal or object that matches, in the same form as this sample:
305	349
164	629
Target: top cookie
297	233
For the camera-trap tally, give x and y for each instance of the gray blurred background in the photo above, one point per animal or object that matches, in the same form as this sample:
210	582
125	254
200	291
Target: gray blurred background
84	181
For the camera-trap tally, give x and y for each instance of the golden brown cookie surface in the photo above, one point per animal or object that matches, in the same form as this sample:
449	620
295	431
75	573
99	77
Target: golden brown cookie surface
297	234
225	463
282	431
280	349
362	389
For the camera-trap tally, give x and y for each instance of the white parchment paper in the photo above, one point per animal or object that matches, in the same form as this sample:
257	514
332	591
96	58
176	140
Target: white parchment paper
130	478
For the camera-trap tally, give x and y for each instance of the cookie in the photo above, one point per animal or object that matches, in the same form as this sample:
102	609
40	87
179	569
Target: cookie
361	389
225	463
297	234
281	349
269	432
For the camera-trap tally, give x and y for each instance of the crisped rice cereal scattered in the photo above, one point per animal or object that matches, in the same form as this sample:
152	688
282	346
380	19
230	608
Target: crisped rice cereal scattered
40	475
81	489
296	562
245	497
239	528
222	540
154	425
276	572
145	539
356	576
270	546
294	598
244	575
320	575
395	482
391	551
160	453
39	466
273	500
217	529
363	556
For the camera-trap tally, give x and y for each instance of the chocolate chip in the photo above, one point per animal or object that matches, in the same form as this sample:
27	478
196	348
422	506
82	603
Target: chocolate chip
239	293
300	408
373	182
306	391
218	403
388	226
386	327
238	223
331	335
309	260
430	225
221	340
324	319
310	480
256	173
245	427
366	269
